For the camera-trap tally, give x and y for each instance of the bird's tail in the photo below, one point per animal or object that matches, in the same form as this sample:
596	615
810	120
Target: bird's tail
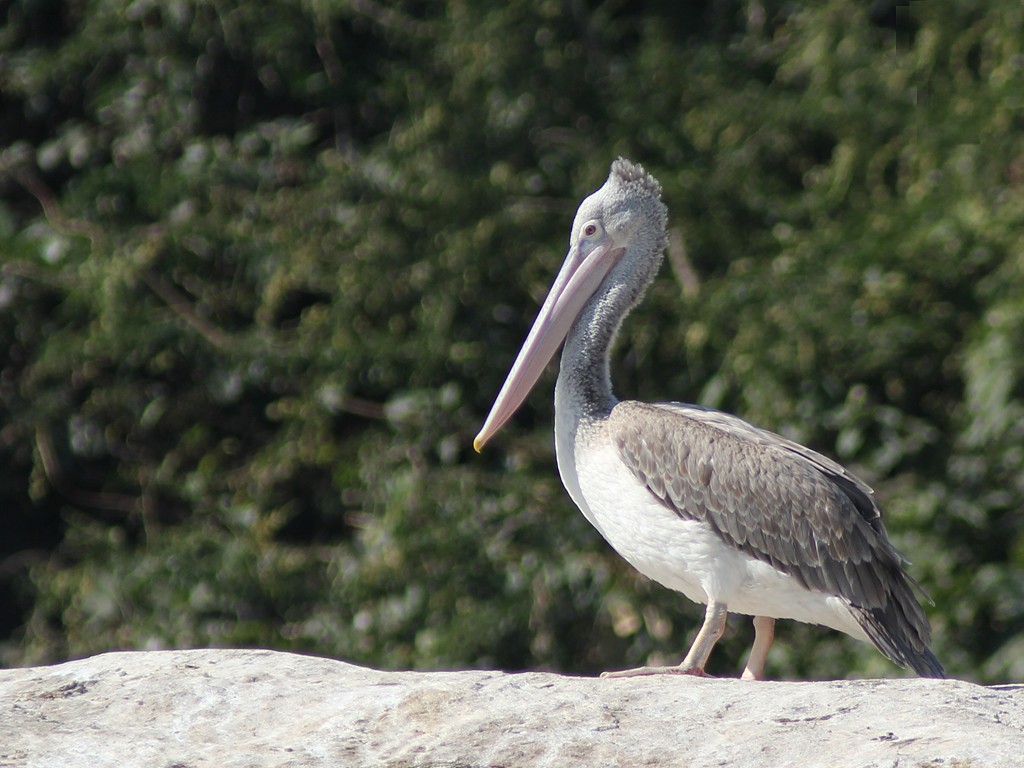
901	637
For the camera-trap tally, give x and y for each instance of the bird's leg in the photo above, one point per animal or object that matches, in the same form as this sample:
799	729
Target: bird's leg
764	634
710	632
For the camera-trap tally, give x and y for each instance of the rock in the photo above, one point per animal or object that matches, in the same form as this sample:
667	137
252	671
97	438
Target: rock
243	709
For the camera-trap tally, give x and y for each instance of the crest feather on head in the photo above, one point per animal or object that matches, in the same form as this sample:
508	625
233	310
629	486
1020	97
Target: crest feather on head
634	175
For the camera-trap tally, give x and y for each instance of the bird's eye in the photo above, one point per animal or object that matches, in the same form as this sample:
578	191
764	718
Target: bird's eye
590	229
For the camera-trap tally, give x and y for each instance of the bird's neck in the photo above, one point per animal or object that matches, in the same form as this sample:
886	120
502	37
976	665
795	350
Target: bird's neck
584	379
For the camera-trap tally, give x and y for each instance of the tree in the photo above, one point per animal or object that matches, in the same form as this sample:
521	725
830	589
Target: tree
266	265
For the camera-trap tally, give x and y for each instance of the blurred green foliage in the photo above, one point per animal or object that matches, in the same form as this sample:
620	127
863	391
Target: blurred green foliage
265	265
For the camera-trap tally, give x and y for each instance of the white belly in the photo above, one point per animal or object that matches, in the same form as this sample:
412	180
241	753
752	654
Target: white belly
685	555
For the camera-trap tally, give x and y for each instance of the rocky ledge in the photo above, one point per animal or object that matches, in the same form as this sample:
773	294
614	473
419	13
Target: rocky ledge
235	709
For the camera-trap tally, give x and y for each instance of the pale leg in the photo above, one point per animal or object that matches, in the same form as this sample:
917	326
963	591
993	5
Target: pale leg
764	634
710	632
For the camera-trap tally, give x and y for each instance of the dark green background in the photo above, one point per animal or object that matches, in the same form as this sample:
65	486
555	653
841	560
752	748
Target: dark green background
265	266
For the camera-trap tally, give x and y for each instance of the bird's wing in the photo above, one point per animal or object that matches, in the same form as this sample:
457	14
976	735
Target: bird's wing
860	493
777	501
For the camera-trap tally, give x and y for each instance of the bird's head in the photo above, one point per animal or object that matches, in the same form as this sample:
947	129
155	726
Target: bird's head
626	212
620	228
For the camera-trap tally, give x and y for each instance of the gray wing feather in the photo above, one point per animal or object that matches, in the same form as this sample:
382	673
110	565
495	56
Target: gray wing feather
783	504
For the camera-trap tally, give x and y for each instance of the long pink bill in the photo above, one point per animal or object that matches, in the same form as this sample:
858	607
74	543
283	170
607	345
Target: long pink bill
580	276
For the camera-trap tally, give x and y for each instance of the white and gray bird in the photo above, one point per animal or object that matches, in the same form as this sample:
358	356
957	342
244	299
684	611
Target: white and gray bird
733	516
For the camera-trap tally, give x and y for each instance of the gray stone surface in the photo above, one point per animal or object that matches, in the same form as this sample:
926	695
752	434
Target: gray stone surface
235	709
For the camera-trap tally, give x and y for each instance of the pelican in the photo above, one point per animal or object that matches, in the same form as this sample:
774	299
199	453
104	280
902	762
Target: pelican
733	516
